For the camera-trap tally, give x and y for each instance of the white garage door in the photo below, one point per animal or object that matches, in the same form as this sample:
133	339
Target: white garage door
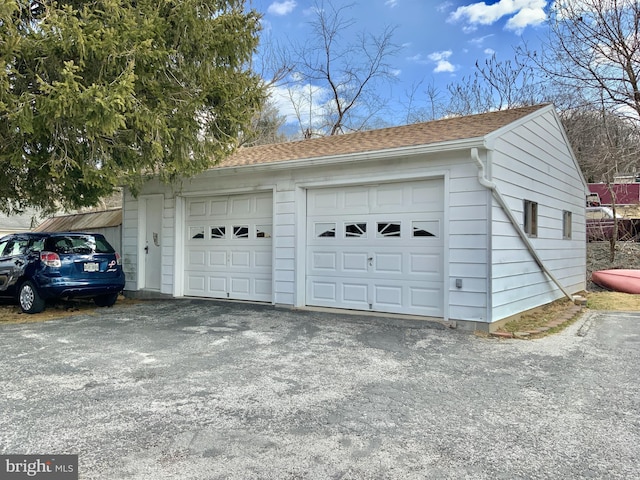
228	247
377	248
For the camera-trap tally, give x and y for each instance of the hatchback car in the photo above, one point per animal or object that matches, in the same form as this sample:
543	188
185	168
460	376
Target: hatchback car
35	267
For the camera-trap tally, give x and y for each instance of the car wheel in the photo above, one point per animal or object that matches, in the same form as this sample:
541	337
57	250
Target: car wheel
29	298
107	300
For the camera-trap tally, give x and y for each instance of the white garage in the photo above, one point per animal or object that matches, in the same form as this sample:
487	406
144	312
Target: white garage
376	248
470	220
227	247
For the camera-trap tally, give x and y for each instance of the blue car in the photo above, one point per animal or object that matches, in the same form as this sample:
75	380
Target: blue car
35	267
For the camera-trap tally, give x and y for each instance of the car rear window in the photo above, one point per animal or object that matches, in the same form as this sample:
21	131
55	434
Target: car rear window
80	244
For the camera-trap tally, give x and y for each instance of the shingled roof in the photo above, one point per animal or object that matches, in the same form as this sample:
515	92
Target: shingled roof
439	131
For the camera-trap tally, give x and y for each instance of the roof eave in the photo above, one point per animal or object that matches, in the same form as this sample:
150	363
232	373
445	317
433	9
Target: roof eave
388	153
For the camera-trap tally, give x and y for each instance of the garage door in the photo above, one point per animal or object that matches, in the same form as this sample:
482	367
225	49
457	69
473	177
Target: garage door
376	248
228	247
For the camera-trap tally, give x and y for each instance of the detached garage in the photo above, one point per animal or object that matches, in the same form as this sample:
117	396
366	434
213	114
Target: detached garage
469	220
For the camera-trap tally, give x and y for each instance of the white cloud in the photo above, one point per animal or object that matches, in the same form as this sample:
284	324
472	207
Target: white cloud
282	8
444	6
391	3
441	60
417	58
525	18
308	100
478	41
522	13
489	51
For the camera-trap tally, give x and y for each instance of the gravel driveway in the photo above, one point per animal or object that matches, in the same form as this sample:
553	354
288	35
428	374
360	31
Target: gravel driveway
187	389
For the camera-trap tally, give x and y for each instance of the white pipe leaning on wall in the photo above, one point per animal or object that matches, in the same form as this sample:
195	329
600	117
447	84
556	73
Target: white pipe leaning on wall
485	182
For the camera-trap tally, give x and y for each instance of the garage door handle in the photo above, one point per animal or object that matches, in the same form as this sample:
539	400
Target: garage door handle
370	259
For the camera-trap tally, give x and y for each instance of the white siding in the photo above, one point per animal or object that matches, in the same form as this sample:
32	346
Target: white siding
284	246
468	243
533	162
130	241
168	242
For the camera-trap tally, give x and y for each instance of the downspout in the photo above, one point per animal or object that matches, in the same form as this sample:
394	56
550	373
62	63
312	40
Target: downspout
485	182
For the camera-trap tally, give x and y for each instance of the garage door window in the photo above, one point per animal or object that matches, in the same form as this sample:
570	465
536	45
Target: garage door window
196	232
425	229
263	231
355	230
389	229
324	230
241	231
218	232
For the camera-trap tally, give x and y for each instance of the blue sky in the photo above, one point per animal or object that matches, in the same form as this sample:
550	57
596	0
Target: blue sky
440	40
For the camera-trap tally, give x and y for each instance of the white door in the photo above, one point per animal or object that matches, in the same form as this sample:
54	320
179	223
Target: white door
228	247
152	242
377	248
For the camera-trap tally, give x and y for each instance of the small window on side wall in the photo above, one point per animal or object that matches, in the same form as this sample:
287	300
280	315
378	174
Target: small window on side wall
566	225
531	218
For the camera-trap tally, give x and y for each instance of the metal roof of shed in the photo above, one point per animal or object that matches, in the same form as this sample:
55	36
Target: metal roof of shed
82	221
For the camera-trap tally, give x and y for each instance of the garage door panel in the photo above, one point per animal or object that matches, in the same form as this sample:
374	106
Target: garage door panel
217	259
425	264
425	299
218	207
387	295
356	200
388	263
217	286
262	287
322	292
324	261
262	260
196	283
197	258
354	262
356	293
229	240
240	286
377	247
240	259
197	209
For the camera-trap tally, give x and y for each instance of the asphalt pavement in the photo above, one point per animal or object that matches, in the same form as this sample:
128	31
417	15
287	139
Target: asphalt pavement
187	389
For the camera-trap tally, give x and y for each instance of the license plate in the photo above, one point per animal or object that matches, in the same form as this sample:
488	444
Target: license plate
91	267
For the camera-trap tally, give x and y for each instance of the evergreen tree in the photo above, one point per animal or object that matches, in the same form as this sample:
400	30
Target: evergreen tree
96	94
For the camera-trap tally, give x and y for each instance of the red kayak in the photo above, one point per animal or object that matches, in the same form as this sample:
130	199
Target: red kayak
626	281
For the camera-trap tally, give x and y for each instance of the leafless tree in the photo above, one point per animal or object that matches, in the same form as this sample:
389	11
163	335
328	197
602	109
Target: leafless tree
497	85
606	147
340	75
431	108
594	48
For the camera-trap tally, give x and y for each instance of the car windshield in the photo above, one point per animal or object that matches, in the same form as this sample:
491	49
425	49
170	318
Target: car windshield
80	244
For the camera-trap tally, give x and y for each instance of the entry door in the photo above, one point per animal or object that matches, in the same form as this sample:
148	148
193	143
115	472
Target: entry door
152	242
377	248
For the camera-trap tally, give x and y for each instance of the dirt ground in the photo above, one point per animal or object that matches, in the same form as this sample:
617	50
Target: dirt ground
627	255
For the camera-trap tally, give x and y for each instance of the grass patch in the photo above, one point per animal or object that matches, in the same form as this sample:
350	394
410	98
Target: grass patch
541	316
615	301
538	317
